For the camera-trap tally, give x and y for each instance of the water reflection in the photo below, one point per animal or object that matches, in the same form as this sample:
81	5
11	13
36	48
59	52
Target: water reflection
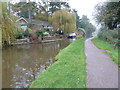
24	63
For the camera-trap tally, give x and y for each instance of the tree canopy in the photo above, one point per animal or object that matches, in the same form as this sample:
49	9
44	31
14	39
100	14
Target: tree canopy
8	25
38	10
64	20
54	6
86	25
108	14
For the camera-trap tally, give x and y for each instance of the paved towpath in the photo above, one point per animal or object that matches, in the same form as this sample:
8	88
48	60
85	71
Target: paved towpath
102	72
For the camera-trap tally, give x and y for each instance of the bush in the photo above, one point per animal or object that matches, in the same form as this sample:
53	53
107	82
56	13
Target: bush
39	33
26	34
28	30
110	36
41	17
19	33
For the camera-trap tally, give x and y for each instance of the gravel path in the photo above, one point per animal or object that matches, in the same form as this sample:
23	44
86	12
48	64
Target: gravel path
102	72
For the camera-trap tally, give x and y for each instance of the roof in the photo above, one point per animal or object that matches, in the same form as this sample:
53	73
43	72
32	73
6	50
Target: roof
21	19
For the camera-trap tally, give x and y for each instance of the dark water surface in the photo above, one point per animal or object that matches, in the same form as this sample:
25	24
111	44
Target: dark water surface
22	64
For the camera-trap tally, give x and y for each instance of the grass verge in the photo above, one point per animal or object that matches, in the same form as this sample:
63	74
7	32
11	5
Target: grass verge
113	53
69	71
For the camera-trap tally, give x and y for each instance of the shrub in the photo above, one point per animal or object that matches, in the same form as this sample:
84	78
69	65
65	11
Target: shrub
39	33
19	33
110	36
41	17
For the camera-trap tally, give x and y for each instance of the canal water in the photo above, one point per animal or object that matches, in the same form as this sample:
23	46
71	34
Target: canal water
22	64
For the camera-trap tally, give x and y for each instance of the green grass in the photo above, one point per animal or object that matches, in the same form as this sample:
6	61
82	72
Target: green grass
113	53
69	71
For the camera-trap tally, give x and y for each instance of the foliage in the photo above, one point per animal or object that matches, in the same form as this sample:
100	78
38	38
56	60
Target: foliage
39	33
64	20
69	71
38	10
106	46
82	31
54	6
8	25
30	25
33	25
45	33
42	33
28	30
77	18
108	14
26	10
85	24
19	33
26	33
110	36
41	17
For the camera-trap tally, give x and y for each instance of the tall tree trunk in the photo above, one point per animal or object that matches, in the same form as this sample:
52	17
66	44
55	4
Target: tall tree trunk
29	14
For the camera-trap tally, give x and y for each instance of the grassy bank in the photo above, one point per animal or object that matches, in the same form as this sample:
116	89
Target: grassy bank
113	53
69	71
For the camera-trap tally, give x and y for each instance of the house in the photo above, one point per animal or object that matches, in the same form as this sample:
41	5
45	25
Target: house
23	23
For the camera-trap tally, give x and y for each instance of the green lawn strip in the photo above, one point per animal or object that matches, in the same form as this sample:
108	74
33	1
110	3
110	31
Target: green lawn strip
113	53
69	71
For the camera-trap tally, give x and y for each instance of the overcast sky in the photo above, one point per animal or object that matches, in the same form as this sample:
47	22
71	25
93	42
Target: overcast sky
85	7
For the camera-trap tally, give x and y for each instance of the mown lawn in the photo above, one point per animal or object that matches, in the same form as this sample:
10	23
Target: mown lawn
69	71
113	53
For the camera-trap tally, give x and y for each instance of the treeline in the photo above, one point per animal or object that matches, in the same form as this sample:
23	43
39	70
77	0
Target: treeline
108	15
84	23
43	10
40	10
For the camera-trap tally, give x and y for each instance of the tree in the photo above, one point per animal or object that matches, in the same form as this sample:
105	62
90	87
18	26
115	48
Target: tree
77	18
8	26
26	10
64	20
86	25
54	6
84	18
108	14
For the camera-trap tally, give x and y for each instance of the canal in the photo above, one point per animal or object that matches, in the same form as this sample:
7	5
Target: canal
22	64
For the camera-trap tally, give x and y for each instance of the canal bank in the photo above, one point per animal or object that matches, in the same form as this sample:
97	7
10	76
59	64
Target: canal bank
69	71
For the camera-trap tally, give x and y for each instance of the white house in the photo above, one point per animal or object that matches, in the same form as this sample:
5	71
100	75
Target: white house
23	22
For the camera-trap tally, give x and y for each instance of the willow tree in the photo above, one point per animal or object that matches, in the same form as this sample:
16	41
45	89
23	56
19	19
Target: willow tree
64	20
8	26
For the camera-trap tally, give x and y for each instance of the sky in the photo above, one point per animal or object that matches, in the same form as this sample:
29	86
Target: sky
85	7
